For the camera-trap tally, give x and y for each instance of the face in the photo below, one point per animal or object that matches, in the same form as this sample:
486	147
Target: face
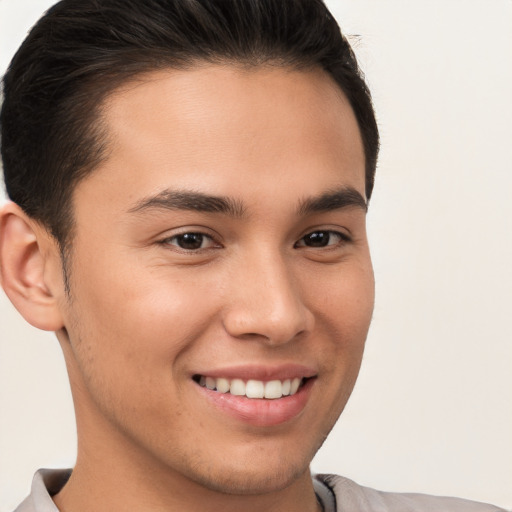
220	257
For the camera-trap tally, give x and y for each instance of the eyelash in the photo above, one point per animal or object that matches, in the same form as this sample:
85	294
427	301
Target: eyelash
203	236
343	238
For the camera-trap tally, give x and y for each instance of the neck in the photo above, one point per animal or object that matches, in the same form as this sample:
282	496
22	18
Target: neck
113	487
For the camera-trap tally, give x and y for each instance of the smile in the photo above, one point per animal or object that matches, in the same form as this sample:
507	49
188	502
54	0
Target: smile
272	389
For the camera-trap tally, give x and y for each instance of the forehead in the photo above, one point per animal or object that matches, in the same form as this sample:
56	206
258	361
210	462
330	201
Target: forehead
226	127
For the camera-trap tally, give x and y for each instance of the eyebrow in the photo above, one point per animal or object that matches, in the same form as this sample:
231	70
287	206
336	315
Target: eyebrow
190	200
346	197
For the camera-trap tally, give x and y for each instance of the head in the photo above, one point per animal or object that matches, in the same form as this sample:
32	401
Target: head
201	171
81	51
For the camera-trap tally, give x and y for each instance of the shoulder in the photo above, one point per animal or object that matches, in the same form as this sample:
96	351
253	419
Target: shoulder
351	497
26	505
45	484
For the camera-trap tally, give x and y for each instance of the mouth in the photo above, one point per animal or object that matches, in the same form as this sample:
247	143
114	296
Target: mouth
254	389
257	395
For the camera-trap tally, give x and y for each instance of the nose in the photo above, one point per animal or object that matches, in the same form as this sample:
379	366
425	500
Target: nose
266	303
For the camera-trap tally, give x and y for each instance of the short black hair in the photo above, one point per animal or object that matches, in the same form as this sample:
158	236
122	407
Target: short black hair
81	50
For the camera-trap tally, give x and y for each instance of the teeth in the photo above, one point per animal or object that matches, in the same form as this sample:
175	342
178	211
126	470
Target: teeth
255	389
237	387
274	389
295	386
210	383
222	385
252	388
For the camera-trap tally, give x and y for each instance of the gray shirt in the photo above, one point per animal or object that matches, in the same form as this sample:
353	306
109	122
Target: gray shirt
336	493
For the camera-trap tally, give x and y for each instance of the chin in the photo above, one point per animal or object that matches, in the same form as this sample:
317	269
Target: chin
250	478
251	482
257	466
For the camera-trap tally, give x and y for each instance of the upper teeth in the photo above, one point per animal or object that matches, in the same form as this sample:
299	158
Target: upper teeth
252	388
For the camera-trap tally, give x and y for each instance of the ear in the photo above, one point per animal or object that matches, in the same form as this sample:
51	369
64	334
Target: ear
30	268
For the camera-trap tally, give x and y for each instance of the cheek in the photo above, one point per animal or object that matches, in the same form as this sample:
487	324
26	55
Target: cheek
130	343
343	312
343	299
147	300
136	327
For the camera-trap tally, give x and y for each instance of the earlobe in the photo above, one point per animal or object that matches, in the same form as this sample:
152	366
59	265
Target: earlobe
29	268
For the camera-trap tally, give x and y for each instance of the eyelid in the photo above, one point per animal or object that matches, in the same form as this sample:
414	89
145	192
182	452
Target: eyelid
344	236
199	230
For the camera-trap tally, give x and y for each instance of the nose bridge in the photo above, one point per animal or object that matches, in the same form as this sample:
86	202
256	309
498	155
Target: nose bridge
267	302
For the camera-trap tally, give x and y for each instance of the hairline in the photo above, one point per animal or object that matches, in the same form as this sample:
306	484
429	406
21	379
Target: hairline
96	122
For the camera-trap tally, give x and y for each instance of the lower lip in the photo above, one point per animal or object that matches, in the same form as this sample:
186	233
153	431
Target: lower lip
261	412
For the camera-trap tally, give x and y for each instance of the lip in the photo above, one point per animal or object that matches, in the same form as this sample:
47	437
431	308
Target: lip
260	372
255	411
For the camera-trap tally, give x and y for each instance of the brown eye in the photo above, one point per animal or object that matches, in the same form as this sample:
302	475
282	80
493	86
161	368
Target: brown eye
191	241
320	239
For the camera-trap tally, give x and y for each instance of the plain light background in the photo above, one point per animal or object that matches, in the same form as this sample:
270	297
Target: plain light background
432	410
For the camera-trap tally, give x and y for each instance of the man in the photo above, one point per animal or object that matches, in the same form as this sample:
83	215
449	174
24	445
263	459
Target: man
189	183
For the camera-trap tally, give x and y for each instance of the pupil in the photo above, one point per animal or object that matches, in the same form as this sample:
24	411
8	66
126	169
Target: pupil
318	239
190	241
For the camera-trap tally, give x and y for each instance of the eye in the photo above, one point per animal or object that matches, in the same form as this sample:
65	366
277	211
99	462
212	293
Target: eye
325	238
190	241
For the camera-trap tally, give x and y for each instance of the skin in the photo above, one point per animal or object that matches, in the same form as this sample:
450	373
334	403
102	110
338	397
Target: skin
145	314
